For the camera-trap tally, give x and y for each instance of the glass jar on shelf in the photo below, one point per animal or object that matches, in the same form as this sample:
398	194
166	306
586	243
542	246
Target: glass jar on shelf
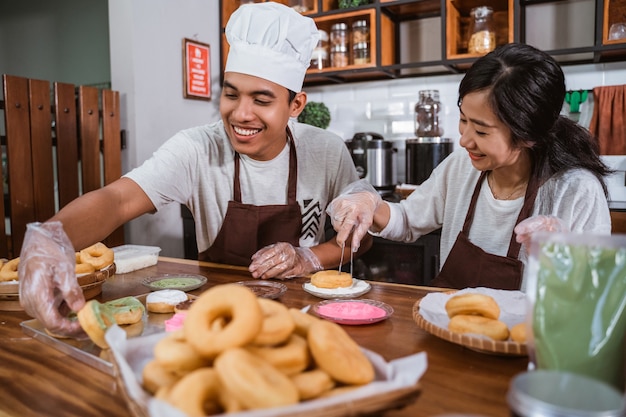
339	35
319	59
427	114
361	53
360	32
339	56
482	32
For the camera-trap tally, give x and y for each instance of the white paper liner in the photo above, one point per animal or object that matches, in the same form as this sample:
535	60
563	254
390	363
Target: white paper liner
132	355
512	305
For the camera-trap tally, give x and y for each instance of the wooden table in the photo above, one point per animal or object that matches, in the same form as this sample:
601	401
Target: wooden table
38	380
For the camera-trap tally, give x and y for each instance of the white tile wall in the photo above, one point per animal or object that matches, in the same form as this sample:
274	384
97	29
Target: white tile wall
387	106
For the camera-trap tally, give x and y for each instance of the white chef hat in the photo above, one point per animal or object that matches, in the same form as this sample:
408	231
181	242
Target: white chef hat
271	41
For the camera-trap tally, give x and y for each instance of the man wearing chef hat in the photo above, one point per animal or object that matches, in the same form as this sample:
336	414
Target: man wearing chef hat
257	182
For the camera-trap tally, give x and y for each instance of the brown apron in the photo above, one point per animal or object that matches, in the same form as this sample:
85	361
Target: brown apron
469	266
248	228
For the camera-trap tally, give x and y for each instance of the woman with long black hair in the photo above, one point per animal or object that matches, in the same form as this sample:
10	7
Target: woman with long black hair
520	160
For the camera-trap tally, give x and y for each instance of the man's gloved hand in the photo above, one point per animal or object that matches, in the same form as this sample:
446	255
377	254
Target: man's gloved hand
353	211
48	286
540	223
282	260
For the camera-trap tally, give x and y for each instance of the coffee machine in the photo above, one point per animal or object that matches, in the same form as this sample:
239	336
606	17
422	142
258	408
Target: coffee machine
426	151
375	160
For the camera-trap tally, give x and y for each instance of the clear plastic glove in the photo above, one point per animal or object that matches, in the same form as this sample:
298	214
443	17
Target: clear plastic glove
353	211
47	278
282	260
541	223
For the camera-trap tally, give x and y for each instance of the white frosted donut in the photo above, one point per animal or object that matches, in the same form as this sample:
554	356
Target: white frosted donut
164	301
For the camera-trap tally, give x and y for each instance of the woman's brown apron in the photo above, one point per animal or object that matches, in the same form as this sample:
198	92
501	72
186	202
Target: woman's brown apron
248	228
469	266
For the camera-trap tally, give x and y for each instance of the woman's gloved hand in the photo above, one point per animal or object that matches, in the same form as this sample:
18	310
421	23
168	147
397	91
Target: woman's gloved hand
353	211
48	286
540	223
282	260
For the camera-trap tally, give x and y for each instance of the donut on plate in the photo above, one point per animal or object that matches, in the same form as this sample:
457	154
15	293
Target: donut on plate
331	279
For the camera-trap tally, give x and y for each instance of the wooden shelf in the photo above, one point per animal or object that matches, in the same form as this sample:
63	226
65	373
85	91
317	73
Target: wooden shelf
386	40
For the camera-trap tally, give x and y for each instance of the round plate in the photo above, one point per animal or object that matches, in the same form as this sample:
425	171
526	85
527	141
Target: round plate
182	282
479	344
358	288
353	312
265	289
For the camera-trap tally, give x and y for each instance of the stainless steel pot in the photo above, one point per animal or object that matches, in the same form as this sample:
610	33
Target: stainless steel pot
423	155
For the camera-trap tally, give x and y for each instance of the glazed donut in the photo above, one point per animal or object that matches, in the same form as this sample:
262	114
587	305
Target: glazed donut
234	302
174	354
331	279
473	304
338	354
303	321
154	376
8	272
277	323
98	254
290	358
95	320
196	394
253	382
83	268
518	332
467	323
126	310
313	383
164	301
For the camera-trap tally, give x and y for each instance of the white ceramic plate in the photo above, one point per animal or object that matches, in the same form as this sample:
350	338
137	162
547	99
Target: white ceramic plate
358	288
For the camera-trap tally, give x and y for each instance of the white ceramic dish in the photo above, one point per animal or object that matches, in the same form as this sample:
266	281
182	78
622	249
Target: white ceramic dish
357	289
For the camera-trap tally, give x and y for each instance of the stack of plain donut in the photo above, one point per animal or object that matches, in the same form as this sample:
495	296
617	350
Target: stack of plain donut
94	258
238	352
476	313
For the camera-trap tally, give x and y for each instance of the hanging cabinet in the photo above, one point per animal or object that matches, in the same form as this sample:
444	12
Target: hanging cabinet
411	38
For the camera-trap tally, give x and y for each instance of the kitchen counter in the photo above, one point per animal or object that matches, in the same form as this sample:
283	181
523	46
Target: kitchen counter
39	380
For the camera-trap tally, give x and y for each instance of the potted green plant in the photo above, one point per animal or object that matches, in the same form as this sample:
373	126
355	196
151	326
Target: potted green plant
315	114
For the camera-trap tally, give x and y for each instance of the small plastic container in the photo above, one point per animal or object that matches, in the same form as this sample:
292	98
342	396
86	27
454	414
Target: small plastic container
545	393
129	258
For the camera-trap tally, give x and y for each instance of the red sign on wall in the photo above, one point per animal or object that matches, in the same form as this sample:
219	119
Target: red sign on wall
197	70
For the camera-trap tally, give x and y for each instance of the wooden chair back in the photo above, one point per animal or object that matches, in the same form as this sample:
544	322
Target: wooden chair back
59	143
